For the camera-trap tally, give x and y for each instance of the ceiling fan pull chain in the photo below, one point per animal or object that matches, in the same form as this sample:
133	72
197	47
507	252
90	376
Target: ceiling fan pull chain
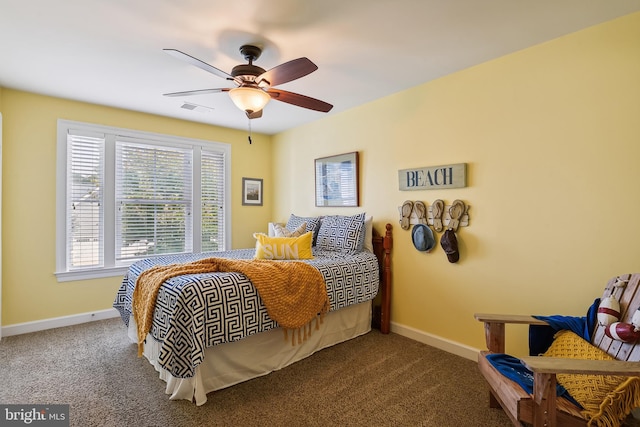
249	137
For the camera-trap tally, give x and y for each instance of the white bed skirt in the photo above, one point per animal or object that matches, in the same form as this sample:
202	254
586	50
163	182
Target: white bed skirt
231	363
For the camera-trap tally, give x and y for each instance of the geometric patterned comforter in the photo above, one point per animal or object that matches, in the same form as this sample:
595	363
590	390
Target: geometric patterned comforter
194	312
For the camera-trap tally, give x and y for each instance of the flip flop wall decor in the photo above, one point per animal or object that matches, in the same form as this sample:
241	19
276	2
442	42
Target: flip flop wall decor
413	218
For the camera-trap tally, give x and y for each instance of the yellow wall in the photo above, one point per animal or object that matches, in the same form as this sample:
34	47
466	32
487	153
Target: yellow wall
551	137
29	288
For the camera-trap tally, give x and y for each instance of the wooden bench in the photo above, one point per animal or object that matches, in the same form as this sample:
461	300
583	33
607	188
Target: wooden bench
543	408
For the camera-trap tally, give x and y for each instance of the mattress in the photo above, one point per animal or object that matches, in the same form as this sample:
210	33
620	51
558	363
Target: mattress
196	312
228	364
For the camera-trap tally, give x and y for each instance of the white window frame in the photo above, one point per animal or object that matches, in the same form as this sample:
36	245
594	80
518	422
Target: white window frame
111	267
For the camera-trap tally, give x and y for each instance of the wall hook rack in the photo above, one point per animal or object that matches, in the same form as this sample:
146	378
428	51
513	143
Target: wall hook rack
446	217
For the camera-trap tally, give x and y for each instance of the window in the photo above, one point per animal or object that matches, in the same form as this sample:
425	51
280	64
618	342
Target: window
123	195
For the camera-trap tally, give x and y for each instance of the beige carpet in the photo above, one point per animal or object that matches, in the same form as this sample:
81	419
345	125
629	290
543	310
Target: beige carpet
381	380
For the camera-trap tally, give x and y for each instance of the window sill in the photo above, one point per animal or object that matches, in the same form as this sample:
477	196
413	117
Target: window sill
69	276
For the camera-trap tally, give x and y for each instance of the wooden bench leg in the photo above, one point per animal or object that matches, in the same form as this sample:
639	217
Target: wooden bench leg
494	336
493	402
544	400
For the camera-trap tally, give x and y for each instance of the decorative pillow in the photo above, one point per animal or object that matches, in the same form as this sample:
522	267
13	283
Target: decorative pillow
367	245
342	233
313	224
283	247
282	231
272	229
605	399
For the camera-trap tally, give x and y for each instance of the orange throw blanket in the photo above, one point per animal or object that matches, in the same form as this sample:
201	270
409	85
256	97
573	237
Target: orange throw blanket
293	292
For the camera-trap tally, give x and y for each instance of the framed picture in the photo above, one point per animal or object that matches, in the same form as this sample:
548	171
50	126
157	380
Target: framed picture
337	180
252	191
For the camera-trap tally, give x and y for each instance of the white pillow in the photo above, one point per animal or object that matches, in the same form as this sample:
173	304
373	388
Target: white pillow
282	231
272	229
368	234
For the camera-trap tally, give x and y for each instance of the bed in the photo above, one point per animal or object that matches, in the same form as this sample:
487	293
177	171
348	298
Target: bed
211	330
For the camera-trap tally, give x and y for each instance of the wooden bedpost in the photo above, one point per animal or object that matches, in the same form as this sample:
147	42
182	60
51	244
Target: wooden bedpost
382	246
385	315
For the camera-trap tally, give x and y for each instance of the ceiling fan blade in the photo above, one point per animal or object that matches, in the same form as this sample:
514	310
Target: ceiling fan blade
198	63
288	71
299	100
255	114
197	92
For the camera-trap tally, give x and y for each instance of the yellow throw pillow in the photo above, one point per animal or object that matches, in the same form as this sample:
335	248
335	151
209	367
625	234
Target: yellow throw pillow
282	248
604	398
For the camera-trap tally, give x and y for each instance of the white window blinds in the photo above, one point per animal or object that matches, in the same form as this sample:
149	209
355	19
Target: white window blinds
153	200
85	219
123	195
213	194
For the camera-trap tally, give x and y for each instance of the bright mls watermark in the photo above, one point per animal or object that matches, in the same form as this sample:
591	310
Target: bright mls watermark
34	415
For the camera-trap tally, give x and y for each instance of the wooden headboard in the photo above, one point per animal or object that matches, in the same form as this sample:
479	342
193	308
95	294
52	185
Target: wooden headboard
382	244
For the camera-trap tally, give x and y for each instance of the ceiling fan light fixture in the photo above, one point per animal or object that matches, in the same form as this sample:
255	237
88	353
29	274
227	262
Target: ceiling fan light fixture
255	86
249	98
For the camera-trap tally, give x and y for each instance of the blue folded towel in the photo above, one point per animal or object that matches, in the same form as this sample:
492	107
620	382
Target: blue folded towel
541	336
512	368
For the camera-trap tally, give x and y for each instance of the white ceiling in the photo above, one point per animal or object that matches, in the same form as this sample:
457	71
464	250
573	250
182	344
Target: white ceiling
109	52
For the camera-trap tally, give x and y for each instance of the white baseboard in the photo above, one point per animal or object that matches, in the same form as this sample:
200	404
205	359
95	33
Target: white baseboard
76	319
58	322
436	341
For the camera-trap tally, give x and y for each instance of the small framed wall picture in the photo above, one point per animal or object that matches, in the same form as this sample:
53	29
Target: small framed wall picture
252	191
337	180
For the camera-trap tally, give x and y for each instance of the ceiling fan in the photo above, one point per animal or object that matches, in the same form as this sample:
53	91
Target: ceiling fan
255	86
